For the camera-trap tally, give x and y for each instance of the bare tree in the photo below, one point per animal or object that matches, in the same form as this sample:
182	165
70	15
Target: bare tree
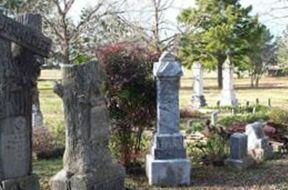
66	32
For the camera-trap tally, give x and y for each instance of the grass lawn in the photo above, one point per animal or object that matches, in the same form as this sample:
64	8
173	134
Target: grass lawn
271	175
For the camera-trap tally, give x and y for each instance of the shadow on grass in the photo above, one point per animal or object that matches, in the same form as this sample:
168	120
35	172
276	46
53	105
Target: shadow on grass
270	175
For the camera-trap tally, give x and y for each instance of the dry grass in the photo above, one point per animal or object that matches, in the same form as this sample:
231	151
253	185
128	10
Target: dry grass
271	175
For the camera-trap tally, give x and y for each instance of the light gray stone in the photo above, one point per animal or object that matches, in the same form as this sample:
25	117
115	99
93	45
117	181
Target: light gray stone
214	117
167	164
88	164
238	152
172	172
198	98
228	96
258	144
37	116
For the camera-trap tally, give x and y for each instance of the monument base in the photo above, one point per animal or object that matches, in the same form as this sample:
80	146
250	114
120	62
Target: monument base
228	98
259	154
198	101
22	183
64	181
172	172
239	164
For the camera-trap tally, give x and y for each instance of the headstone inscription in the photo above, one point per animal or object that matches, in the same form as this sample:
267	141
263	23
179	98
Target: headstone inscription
167	163
88	164
228	97
198	98
258	144
22	46
238	152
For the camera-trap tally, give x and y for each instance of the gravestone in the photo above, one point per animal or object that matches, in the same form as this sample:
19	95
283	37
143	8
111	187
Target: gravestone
167	164
228	97
258	144
214	117
22	47
88	164
238	152
198	99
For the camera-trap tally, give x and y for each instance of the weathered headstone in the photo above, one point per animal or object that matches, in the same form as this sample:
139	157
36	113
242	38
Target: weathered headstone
198	98
228	97
258	144
238	152
88	164
167	164
22	45
214	117
37	117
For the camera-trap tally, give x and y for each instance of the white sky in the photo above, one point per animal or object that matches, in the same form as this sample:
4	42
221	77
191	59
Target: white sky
264	8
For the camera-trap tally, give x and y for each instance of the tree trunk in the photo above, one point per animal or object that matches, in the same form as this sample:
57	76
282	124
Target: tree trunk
257	81
252	81
220	75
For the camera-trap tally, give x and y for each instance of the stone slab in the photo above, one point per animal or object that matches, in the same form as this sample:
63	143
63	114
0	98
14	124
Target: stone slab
22	183
15	147
173	172
240	164
24	36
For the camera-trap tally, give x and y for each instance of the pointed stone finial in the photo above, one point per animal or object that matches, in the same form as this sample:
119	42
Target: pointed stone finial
167	66
227	63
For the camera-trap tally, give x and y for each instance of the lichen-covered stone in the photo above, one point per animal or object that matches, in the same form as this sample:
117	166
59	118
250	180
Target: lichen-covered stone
19	69
88	164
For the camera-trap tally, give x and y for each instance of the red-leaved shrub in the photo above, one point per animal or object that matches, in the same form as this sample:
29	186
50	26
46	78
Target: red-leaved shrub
130	95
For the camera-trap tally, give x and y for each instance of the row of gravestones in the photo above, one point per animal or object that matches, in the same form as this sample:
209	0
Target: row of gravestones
88	164
87	161
228	96
249	148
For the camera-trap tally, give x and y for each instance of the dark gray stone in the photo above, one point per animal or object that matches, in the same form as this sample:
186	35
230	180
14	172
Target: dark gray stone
238	146
25	36
30	182
19	67
167	163
238	152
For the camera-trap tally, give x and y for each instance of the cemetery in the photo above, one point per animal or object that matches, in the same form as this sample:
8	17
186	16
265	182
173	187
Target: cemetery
94	100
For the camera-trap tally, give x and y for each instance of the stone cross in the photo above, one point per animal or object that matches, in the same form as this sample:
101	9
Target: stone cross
22	48
258	144
238	152
167	163
228	97
198	98
87	160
